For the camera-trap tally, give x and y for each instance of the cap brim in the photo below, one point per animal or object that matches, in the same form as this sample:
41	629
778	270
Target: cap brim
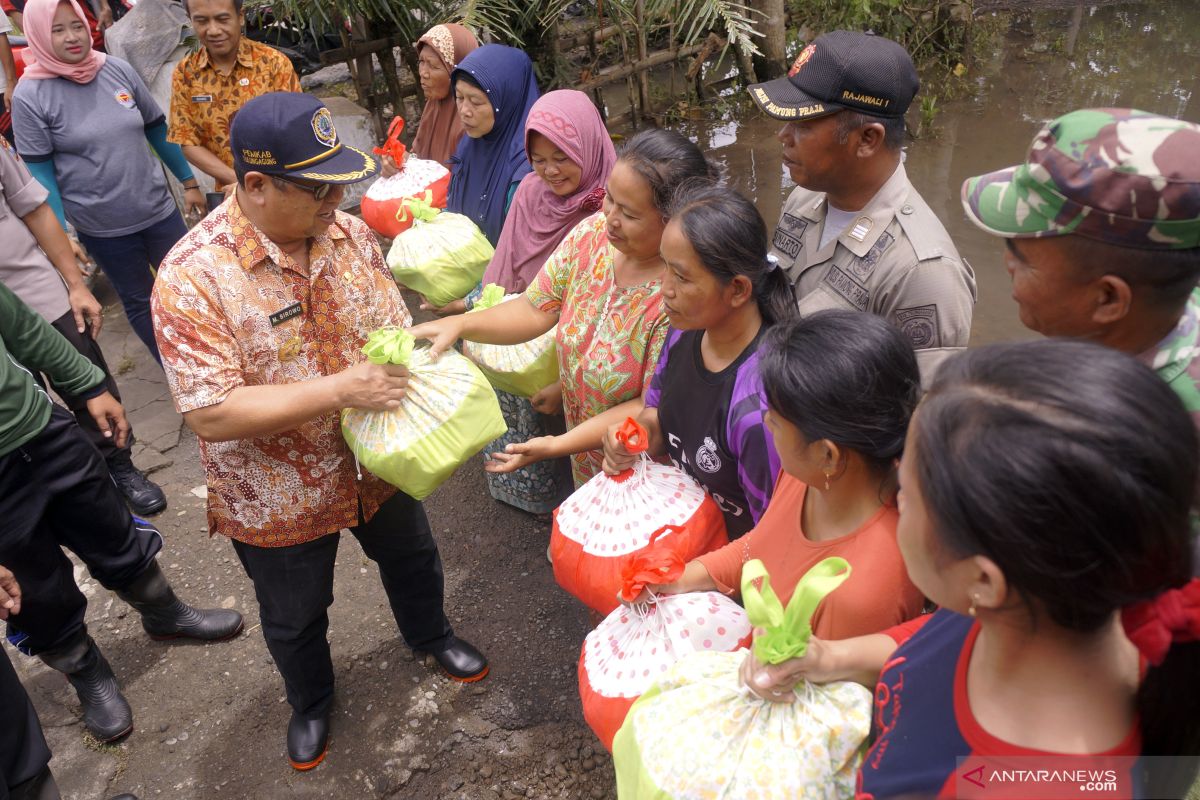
782	100
348	165
997	203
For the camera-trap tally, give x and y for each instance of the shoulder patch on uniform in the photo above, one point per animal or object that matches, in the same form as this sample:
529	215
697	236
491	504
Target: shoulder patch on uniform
786	243
847	288
920	325
862	267
793	223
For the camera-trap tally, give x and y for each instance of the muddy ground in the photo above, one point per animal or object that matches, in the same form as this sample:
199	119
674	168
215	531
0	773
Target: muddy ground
210	719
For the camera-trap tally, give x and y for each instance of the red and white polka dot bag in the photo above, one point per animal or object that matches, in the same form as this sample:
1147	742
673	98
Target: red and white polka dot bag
382	207
611	517
638	643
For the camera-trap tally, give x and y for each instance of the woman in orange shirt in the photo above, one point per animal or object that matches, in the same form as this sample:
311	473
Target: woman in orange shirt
840	387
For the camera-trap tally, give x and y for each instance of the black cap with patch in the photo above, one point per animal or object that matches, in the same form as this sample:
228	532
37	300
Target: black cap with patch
842	70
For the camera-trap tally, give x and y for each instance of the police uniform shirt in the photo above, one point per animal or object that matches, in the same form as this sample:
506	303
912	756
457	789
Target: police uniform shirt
895	260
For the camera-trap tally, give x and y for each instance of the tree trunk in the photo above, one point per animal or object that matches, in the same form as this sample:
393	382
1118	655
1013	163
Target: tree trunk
363	70
643	77
771	22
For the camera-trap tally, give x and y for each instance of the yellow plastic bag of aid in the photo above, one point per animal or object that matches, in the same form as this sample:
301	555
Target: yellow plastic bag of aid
521	369
442	256
698	733
449	413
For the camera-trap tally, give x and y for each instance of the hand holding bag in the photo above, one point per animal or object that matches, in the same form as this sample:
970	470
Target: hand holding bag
611	517
448	414
698	733
521	369
637	644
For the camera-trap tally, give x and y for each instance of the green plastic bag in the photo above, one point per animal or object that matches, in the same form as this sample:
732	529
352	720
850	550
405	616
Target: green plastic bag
698	734
449	413
521	369
442	256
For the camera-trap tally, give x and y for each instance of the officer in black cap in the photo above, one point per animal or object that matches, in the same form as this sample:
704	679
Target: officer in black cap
855	233
261	313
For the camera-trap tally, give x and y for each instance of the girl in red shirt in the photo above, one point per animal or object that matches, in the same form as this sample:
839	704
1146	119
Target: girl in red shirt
1045	496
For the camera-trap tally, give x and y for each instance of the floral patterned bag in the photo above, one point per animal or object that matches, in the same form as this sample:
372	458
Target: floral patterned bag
442	256
449	413
698	734
521	369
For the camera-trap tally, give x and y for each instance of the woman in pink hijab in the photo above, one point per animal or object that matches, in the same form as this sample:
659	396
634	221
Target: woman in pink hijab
82	121
571	155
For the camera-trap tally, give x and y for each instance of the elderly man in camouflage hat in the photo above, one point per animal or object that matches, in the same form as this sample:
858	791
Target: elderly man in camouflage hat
1102	228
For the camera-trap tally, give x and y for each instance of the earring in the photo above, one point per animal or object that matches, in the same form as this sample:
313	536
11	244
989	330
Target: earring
974	609
828	475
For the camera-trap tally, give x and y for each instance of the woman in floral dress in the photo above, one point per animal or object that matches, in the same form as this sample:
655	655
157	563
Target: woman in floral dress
601	287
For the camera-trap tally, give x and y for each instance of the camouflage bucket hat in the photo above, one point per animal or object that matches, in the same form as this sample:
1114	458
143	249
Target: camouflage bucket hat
1118	175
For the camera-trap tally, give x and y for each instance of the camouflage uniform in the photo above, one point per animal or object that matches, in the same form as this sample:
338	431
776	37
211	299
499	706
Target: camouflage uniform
1116	175
1174	358
895	260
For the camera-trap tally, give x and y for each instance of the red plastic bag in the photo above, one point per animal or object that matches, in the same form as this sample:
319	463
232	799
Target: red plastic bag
609	518
636	644
383	204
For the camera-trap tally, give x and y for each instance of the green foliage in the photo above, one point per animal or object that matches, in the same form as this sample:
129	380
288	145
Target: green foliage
929	112
701	16
409	19
933	31
524	23
516	22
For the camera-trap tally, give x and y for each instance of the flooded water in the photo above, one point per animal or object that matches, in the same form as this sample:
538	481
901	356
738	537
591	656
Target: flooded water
1033	68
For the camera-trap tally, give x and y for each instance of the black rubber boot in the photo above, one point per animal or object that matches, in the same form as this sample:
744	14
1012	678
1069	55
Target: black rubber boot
106	714
144	496
165	616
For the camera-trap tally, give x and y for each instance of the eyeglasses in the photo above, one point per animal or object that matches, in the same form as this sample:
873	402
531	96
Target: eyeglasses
319	192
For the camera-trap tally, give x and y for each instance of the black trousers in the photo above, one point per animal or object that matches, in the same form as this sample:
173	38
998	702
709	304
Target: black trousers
294	586
56	492
23	750
90	349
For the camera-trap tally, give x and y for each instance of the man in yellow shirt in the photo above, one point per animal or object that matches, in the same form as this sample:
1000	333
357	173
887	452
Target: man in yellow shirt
210	85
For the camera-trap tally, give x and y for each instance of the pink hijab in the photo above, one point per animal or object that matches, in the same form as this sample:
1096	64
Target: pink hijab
37	22
539	219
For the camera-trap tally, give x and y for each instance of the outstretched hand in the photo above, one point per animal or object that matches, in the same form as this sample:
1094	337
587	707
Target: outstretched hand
520	454
453	307
443	333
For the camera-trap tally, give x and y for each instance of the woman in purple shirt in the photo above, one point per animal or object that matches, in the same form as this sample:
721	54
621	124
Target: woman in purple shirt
705	404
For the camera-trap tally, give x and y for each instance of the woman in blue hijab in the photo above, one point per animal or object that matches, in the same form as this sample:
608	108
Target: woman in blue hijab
494	88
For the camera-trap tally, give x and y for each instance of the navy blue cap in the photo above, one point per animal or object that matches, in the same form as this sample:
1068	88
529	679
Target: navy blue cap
292	134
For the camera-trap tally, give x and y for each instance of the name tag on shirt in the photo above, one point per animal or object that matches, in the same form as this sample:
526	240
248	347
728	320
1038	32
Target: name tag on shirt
202	98
280	317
